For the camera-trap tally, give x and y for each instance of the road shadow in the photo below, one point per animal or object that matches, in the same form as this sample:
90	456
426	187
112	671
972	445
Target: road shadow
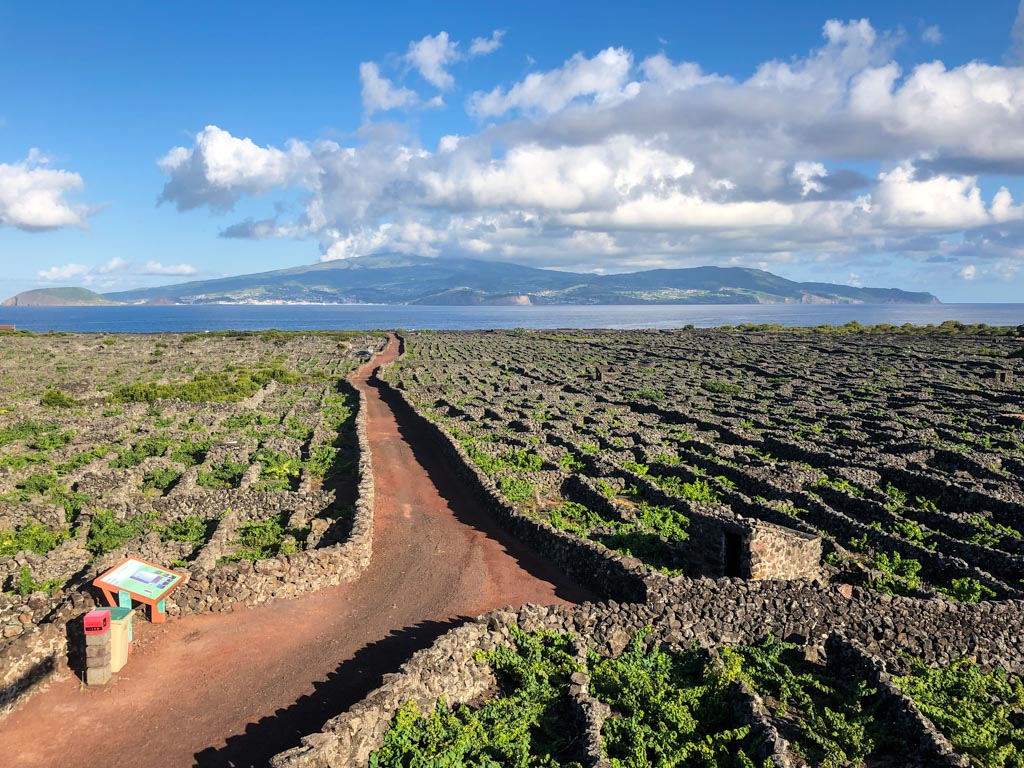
464	504
348	684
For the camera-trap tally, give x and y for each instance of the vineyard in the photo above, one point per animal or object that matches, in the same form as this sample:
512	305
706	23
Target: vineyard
808	544
211	453
856	494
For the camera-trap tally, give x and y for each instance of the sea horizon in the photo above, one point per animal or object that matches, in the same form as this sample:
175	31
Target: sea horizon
195	318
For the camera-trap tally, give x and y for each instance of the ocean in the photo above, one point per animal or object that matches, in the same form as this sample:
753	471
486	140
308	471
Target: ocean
219	317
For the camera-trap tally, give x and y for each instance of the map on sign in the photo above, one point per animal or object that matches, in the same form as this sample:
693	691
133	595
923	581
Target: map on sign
142	579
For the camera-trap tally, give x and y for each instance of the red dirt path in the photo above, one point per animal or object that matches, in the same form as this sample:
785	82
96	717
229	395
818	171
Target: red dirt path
231	689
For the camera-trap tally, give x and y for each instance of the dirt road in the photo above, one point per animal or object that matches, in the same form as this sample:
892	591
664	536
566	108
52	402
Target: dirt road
232	689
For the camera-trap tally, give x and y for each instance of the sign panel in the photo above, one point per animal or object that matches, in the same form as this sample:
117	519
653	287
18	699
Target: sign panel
144	580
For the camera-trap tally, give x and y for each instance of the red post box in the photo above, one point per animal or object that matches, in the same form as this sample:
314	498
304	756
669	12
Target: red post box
97	622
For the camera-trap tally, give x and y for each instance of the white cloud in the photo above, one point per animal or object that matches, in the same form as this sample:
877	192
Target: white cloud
115	264
64	273
431	56
111	273
932	34
220	168
1015	54
940	202
606	163
34	197
156	268
969	272
808	175
604	77
379	93
481	46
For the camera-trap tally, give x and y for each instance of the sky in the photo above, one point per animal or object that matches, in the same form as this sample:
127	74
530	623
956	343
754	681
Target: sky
867	143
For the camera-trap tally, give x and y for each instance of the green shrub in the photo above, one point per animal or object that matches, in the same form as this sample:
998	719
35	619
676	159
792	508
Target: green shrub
227	474
833	719
529	725
225	386
107	532
321	459
575	518
49	441
31	537
160	479
190	452
55	398
190	530
899	574
966	590
258	541
516	488
38	483
979	712
667	710
25	585
721	387
154	445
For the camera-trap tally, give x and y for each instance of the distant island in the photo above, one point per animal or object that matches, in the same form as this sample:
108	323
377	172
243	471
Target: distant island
389	278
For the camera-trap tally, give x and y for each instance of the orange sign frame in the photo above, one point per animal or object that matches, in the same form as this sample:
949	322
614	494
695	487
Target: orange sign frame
159	587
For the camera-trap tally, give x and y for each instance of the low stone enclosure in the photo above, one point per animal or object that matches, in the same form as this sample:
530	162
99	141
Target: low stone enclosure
190	527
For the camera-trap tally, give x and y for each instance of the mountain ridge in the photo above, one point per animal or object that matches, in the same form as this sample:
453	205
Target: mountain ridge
390	278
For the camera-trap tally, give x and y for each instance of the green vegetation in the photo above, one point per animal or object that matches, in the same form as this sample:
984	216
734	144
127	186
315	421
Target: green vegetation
721	387
31	537
575	518
833	719
980	713
191	530
55	398
276	470
698	491
321	460
26	585
226	386
898	574
155	445
160	479
269	538
519	459
668	710
190	452
227	474
966	590
529	725
107	532
516	488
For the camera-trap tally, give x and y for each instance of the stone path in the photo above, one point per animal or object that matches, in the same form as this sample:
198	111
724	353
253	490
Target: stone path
232	689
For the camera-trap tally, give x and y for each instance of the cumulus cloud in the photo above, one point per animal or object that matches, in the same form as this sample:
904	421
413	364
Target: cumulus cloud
431	56
35	197
1015	54
156	268
110	273
481	46
602	77
932	34
64	273
219	168
379	93
610	162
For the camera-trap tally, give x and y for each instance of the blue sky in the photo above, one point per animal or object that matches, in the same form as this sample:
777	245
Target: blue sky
866	143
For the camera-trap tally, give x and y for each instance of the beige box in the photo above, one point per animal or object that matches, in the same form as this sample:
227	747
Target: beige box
120	638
